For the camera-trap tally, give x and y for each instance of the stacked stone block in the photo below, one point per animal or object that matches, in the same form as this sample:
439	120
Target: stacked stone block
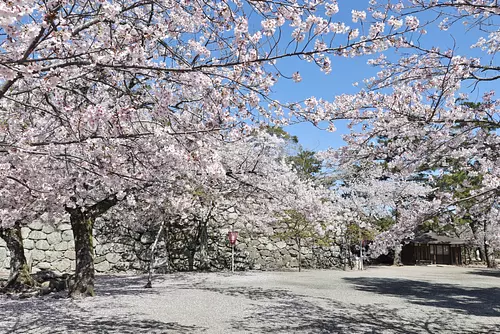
118	249
45	247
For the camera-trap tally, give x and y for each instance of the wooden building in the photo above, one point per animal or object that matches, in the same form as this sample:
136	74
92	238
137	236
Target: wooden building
430	248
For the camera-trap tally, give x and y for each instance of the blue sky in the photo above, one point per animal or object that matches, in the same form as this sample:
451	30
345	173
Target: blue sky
346	71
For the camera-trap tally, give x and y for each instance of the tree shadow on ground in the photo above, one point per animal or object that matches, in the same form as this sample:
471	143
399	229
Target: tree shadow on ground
53	314
121	285
252	293
280	311
486	272
59	316
466	300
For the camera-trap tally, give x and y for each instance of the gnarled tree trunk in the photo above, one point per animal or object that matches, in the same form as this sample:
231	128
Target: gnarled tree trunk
489	256
475	232
83	285
300	254
488	251
20	273
82	223
397	255
203	238
203	233
398	249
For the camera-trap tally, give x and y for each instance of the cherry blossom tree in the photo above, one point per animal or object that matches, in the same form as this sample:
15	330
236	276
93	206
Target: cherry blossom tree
418	103
83	82
19	203
385	207
103	99
256	184
97	176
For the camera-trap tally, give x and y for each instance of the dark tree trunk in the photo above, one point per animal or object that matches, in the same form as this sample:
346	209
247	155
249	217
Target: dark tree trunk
343	255
203	239
300	256
83	285
343	252
82	223
191	240
20	274
397	255
191	253
167	247
489	256
350	263
204	263
399	248
475	230
467	255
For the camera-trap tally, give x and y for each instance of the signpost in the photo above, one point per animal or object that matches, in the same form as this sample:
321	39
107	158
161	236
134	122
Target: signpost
233	236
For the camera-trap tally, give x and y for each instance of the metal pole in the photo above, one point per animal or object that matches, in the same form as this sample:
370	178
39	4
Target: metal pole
361	254
232	251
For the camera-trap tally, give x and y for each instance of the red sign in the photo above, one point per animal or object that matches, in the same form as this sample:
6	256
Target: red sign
232	237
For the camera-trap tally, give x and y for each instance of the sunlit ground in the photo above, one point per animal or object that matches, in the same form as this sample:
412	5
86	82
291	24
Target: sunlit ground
377	300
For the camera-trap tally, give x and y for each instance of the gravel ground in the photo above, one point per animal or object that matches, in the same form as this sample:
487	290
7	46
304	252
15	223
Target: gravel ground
378	300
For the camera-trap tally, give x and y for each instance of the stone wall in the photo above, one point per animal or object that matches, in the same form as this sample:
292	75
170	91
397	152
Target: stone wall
119	249
45	246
